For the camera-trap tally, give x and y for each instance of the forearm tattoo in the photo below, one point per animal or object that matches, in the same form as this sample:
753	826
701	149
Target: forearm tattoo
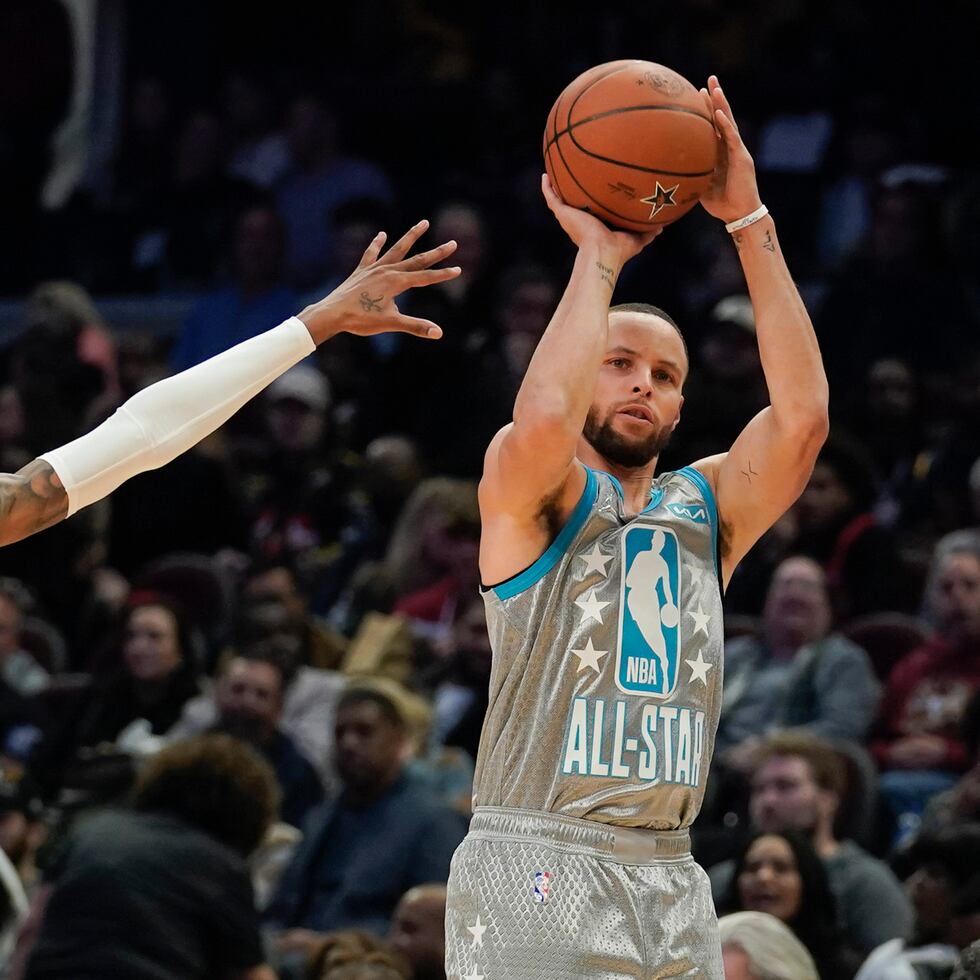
370	305
606	274
30	501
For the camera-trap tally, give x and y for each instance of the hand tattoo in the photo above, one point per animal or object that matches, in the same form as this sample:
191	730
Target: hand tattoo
371	305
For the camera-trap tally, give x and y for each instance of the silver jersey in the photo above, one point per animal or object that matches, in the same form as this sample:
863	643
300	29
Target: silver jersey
607	662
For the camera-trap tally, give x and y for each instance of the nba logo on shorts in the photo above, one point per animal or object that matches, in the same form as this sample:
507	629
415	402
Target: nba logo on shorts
649	638
542	885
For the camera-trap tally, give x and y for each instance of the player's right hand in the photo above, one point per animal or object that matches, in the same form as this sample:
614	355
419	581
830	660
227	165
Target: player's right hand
584	228
364	303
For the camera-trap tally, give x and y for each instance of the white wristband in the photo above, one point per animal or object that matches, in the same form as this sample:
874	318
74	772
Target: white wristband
749	219
160	422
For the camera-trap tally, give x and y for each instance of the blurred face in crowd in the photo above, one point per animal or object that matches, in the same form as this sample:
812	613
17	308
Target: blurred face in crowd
957	599
785	795
249	700
151	649
891	393
258	247
932	893
824	500
370	747
638	398
525	317
730	351
10	619
418	931
295	426
277	584
737	964
463	224
310	131
770	881
797	605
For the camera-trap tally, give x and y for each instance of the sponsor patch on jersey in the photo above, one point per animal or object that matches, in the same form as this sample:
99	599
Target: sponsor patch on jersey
696	513
648	647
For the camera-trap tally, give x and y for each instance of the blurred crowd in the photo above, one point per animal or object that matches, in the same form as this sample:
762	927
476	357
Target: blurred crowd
242	698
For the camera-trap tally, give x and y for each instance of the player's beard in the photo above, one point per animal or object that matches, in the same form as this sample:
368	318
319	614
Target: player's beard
619	449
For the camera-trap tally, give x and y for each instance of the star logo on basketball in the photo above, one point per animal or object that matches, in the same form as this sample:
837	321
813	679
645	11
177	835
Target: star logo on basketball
662	197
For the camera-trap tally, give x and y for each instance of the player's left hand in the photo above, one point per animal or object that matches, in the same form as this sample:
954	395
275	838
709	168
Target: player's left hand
733	192
364	303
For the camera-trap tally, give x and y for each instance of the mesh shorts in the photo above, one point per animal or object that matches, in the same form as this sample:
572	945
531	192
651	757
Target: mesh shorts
533	895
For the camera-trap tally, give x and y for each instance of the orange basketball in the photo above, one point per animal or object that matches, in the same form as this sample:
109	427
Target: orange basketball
631	142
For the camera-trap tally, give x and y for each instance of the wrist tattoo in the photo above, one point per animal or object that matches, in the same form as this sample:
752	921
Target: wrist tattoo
769	245
371	305
606	273
749	473
737	237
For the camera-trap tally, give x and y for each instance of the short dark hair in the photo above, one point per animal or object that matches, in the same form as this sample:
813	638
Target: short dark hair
650	310
369	695
955	849
215	783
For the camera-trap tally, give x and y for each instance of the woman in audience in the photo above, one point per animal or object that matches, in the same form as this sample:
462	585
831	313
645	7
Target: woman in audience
782	875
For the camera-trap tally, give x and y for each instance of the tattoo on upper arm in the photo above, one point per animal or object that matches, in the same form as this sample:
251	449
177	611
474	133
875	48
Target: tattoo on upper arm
606	274
769	245
749	473
371	305
30	501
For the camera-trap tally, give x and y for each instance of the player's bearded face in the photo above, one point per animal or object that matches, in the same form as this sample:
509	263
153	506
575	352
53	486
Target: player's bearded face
619	448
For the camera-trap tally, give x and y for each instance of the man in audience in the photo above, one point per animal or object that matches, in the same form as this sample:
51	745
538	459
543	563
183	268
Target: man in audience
418	931
943	883
797	783
248	697
380	836
162	891
798	674
18	669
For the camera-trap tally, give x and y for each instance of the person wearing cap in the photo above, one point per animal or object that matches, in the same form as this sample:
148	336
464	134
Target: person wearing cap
383	833
166	419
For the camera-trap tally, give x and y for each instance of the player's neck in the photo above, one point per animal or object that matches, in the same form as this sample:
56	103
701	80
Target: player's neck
635	480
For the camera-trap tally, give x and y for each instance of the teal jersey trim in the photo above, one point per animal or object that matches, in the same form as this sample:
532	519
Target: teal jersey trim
702	484
534	573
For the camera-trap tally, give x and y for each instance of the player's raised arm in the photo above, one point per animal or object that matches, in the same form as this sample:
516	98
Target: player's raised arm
531	461
168	418
770	462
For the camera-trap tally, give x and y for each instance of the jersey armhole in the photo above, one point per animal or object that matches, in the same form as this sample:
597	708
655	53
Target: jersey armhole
698	479
522	581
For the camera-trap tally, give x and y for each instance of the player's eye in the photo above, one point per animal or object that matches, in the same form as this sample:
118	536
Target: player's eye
619	362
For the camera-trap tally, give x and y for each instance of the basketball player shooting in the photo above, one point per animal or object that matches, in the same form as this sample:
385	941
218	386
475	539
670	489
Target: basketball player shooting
168	418
602	716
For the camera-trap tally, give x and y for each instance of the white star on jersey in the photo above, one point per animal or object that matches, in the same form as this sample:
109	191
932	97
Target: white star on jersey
701	620
696	574
591	607
589	656
595	561
477	931
699	669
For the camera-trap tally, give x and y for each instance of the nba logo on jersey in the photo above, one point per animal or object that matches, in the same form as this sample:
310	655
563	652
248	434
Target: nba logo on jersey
542	885
649	639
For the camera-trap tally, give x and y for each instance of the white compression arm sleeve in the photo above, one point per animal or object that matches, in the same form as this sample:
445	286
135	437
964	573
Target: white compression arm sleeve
164	420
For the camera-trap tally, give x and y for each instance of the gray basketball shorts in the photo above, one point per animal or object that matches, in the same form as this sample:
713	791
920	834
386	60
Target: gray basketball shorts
534	895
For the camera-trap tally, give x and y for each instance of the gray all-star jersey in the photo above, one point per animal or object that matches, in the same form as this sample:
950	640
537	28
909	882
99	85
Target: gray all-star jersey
607	662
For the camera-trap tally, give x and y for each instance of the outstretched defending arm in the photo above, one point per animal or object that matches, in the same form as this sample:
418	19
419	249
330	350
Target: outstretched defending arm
770	462
166	419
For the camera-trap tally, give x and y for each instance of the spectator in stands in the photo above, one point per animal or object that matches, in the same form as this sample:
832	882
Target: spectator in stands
382	835
22	829
780	873
418	931
320	179
961	804
352	954
798	674
920	746
758	946
256	299
797	783
259	153
248	697
18	669
163	891
157	674
942	878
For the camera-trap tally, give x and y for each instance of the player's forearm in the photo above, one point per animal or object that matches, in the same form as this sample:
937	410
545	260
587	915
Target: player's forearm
30	500
560	380
787	343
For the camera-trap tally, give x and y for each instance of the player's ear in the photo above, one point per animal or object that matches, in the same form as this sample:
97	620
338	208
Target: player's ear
677	417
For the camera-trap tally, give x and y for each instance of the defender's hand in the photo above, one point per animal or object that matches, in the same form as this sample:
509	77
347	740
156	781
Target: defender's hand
364	303
584	228
733	192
